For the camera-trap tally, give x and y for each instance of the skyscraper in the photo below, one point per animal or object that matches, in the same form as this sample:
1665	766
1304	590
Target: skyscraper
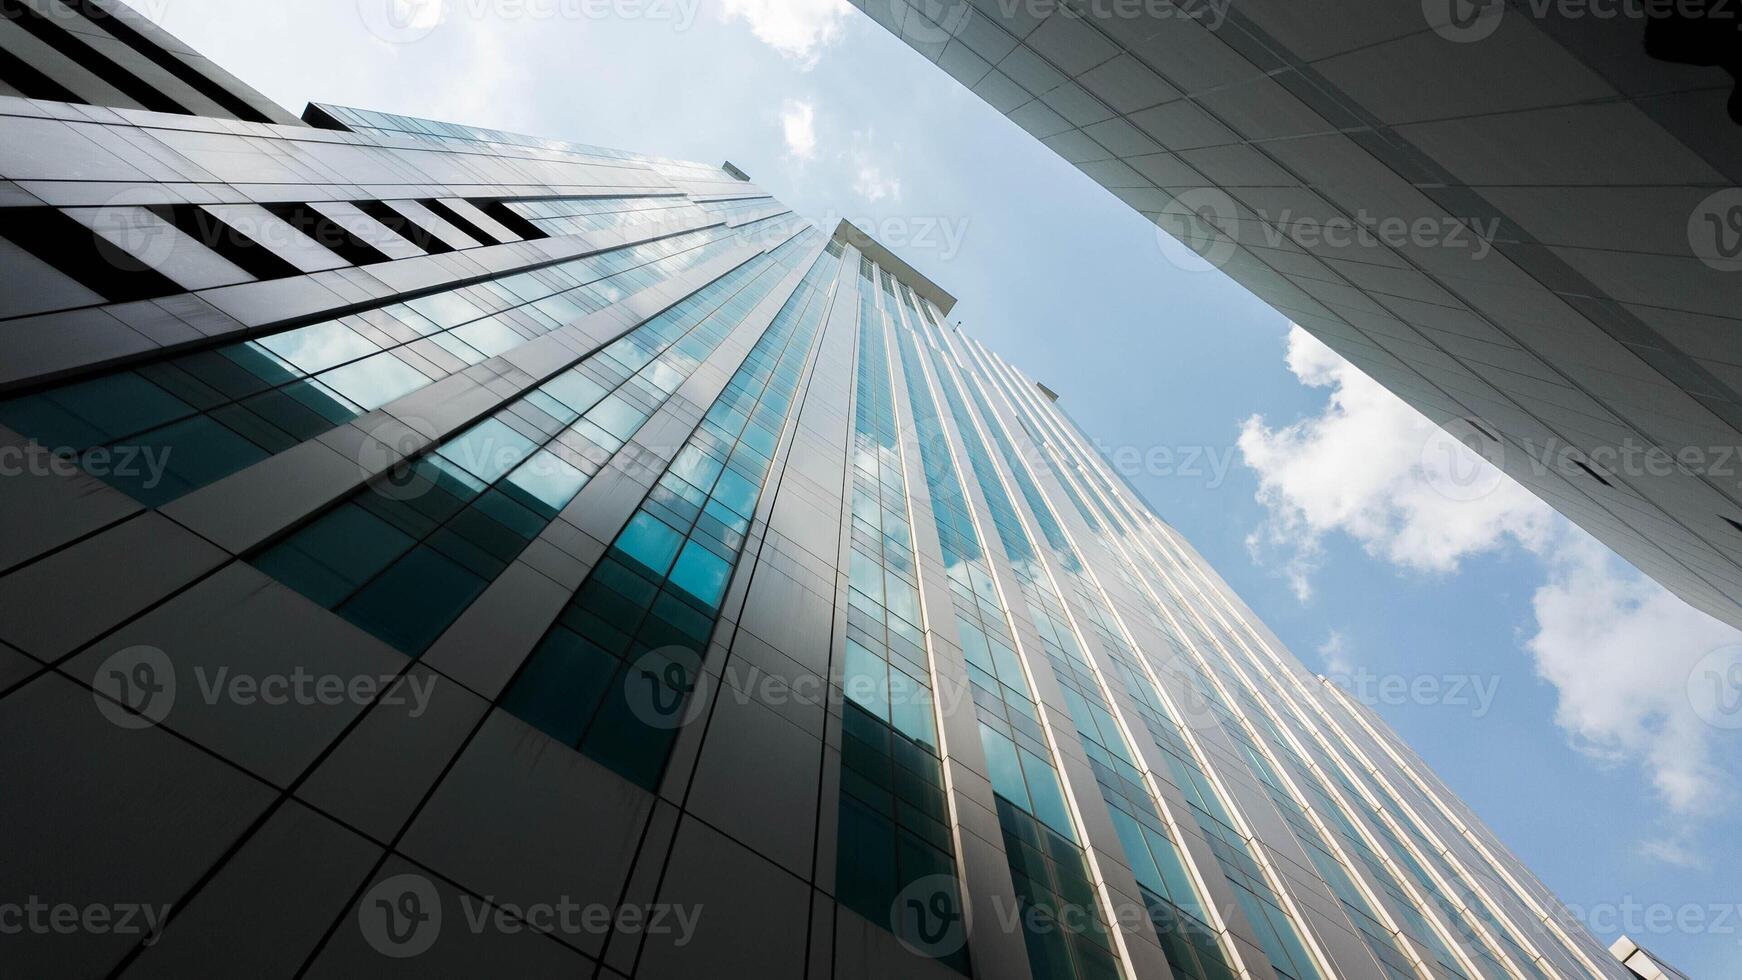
1522	218
433	551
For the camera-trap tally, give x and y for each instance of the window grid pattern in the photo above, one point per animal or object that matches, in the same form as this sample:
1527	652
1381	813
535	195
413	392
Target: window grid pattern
1404	908
1048	867
1037	417
1039	431
895	821
1554	946
212	412
1038	438
1461	916
577	215
926	325
1191	944
615	672
1406	911
1278	934
405	556
1467	899
445	133
733	210
1381	941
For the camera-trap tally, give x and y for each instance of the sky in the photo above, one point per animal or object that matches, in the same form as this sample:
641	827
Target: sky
1552	681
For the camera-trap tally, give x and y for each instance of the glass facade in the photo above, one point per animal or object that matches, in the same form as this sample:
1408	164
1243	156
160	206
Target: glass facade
735	579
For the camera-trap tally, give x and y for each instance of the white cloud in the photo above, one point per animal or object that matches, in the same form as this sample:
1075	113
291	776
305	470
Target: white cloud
863	164
1617	647
1372	467
1335	653
1672	850
1620	649
798	29
872	184
798	123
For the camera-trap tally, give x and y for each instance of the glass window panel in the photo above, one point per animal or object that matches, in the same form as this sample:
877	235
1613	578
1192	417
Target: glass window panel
1009	666
560	308
490	335
304	409
318	346
702	574
375	381
674	622
665	377
974	646
622	741
866	575
254	427
412	602
1137	851
561	685
549	480
867	680
252	361
203	380
457	347
335	554
1005	769
467	542
617	417
1049	797
190	454
910	708
651	542
90	412
866	879
735	522
563	414
902	599
445	309
488	450
510	516
575	390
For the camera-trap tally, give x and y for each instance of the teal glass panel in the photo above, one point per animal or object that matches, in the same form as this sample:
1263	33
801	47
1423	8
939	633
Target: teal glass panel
650	542
1048	796
702	574
567	677
412	602
488	450
338	552
548	480
319	346
375	381
1004	767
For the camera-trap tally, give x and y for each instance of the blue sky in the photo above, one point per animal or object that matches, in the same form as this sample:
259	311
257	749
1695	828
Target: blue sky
1295	476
